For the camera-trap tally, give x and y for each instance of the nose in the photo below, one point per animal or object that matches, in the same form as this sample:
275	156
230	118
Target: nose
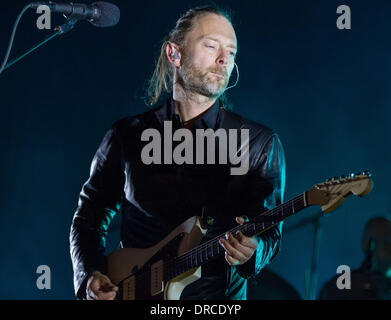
222	59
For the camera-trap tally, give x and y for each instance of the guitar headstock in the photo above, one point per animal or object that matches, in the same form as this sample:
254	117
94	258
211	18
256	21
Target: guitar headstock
330	194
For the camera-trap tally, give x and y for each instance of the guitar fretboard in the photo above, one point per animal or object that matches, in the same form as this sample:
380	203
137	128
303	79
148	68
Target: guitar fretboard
212	249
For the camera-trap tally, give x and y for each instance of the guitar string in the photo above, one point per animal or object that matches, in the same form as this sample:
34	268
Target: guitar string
179	260
214	242
197	258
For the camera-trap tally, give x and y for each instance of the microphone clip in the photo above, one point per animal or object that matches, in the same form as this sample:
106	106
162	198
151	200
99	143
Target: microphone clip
67	26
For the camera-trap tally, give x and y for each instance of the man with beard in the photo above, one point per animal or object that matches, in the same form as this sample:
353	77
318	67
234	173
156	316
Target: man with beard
195	64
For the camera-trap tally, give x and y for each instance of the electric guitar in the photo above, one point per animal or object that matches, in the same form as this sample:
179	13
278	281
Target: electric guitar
164	270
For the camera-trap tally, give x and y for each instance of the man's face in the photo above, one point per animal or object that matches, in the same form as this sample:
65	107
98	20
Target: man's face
209	56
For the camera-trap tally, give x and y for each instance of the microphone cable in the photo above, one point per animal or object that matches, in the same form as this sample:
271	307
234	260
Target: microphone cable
13	36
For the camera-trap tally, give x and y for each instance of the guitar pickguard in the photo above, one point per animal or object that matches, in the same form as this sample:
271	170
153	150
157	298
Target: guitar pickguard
130	268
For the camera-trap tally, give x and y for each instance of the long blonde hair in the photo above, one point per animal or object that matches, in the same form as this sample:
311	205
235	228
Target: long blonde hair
162	77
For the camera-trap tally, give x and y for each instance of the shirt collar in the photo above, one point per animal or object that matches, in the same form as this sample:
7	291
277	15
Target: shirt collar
208	120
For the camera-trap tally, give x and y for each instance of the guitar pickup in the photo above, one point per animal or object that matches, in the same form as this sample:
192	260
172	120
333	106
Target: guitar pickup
128	288
157	273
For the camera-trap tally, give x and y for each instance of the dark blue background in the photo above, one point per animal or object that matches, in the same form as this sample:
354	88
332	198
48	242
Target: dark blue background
324	90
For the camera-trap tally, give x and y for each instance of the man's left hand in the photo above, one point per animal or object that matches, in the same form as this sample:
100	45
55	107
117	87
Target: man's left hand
238	248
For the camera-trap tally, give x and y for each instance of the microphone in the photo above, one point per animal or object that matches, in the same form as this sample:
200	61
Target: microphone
99	14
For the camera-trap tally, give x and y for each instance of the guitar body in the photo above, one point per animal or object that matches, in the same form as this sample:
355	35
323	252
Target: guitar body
139	273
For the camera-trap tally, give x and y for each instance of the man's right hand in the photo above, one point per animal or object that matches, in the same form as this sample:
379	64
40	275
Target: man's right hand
99	287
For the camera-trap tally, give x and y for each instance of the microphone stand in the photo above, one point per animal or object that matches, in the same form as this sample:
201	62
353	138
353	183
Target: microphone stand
60	30
311	275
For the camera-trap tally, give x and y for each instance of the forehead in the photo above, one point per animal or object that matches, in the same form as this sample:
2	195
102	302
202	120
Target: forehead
214	27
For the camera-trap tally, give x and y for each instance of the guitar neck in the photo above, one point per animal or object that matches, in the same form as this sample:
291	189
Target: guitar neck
212	249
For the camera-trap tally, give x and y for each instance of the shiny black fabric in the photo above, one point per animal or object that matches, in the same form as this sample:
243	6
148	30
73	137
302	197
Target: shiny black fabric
156	198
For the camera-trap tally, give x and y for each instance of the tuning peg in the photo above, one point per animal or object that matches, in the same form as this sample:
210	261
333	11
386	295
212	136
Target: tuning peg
367	173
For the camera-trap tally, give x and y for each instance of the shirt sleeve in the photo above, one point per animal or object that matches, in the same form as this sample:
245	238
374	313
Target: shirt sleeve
265	191
99	201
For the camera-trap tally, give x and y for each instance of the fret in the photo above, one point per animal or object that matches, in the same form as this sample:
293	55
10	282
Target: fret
218	247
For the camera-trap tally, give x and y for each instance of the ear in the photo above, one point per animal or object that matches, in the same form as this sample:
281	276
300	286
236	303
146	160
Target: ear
173	54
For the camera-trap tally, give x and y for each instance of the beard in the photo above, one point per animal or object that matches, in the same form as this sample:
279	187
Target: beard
194	79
